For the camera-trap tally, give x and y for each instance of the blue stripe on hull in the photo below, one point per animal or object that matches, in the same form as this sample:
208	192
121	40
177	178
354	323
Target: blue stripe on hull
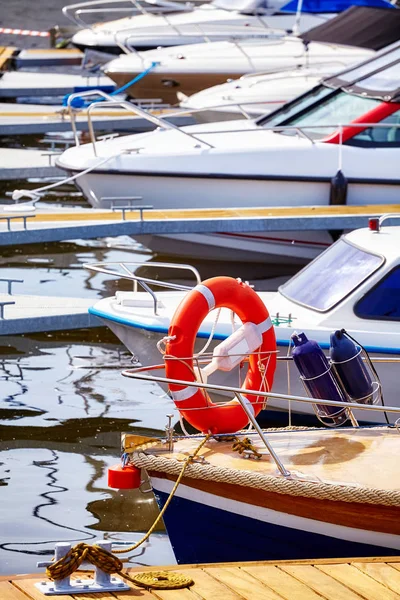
131	323
200	534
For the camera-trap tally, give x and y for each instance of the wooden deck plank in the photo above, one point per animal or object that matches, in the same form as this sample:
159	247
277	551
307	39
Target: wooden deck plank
357	581
244	584
393	564
208	587
6	53
97	596
135	592
329	579
282	583
320	582
28	587
9	592
383	573
184	594
209	213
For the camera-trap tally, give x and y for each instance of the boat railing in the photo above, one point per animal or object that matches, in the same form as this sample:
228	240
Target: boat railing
162	123
109	101
236	34
241	395
126	270
74	12
280	72
200	142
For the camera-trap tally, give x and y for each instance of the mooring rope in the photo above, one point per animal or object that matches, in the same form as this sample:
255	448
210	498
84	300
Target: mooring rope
109	563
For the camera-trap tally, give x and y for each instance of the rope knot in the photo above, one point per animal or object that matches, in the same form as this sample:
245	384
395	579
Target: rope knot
245	444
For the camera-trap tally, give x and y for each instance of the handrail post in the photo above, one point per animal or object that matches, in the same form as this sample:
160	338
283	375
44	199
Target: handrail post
250	414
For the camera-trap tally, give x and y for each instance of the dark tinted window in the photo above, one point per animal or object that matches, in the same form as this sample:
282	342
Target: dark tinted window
385	134
383	301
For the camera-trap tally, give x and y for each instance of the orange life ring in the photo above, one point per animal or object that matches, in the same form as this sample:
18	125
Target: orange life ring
239	297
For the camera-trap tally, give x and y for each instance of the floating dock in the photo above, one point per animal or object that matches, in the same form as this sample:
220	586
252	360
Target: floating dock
47	57
351	579
16	84
57	225
23	119
18	164
38	57
7	54
21	314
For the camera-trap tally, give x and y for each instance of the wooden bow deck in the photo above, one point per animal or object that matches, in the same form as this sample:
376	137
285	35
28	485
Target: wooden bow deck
334	579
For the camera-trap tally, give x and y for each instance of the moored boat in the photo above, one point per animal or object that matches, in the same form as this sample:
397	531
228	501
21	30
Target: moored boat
353	285
336	144
340	498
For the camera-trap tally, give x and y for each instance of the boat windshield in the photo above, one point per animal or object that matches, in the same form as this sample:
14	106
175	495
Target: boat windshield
322	118
332	276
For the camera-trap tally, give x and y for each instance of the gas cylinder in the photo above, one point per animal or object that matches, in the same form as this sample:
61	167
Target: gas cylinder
346	357
124	477
318	378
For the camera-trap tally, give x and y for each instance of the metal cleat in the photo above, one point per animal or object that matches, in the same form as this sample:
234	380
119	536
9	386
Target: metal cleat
102	582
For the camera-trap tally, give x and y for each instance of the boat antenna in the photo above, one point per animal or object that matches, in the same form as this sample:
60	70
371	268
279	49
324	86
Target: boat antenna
296	26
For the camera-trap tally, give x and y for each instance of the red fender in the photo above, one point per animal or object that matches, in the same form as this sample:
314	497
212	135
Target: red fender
239	297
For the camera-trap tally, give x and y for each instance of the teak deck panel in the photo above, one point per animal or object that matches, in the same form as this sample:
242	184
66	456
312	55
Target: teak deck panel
330	579
221	213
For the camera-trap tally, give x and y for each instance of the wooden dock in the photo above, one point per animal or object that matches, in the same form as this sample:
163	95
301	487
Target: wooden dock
328	579
47	225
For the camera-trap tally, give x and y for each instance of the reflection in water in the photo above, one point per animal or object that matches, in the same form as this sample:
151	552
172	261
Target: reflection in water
62	409
63	405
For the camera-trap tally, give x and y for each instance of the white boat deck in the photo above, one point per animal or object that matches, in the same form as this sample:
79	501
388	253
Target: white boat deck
33	314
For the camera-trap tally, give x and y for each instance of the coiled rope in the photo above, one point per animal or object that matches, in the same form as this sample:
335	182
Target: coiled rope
109	563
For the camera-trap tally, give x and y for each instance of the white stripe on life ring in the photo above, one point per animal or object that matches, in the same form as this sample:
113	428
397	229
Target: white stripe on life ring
264	325
184	394
208	295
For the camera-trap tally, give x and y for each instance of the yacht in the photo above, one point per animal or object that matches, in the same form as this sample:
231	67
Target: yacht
252	95
153	24
338	143
190	69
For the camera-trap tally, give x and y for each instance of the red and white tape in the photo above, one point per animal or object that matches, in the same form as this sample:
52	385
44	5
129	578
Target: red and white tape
30	32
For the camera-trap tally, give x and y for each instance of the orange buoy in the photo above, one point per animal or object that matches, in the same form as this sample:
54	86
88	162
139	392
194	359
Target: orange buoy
256	338
124	478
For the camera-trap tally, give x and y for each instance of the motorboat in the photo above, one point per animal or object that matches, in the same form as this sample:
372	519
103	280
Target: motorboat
336	144
354	285
286	493
324	493
257	94
190	69
252	95
161	23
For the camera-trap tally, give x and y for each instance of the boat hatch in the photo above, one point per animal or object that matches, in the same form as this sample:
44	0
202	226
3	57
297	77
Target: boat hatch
136	299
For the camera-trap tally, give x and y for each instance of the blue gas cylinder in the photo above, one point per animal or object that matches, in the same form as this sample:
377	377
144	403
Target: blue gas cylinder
350	367
318	378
